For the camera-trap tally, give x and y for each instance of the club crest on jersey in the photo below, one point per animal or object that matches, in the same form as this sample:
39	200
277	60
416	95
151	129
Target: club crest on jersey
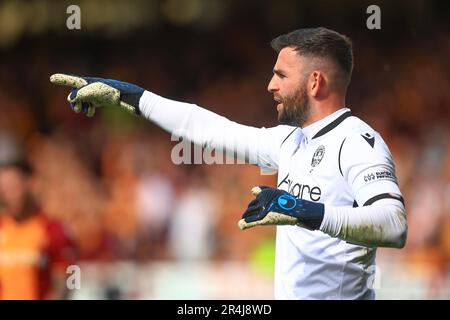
317	156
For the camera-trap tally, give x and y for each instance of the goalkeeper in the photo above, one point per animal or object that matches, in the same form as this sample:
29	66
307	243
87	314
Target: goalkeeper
337	197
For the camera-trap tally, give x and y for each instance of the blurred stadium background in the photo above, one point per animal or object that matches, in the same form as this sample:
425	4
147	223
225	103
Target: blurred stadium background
147	228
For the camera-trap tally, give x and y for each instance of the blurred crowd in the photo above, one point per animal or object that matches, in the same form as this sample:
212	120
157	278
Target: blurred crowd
111	178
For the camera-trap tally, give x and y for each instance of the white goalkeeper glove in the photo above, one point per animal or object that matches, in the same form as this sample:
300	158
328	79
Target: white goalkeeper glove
89	93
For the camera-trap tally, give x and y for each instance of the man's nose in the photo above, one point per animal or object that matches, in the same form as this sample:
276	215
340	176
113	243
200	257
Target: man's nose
272	87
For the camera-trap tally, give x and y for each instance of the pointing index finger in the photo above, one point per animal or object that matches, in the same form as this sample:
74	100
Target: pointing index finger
67	80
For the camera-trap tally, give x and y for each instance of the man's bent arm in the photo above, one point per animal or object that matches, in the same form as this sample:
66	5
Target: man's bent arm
382	224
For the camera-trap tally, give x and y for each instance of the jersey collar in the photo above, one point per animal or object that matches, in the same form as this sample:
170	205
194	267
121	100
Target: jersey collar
323	126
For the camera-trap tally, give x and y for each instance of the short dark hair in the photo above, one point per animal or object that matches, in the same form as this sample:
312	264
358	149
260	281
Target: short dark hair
321	43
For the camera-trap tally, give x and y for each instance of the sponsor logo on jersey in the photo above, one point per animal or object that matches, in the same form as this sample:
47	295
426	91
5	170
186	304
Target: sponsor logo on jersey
376	175
317	156
300	191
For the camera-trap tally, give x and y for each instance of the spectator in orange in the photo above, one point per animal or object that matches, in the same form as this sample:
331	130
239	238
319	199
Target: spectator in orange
34	250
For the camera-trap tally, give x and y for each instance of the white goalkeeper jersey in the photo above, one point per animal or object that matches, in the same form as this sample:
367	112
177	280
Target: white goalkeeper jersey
339	161
342	162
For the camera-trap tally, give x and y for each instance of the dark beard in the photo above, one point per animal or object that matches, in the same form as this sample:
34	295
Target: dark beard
296	109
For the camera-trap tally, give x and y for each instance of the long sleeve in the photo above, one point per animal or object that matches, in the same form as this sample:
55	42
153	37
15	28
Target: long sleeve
378	217
382	224
205	128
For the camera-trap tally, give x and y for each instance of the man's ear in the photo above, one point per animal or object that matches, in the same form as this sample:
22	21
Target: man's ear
316	82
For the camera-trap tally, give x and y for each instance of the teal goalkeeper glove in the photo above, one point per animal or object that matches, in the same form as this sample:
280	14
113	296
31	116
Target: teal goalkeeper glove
278	207
89	93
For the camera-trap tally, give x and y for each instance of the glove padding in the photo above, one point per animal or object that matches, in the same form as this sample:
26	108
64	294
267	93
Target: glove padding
278	207
89	93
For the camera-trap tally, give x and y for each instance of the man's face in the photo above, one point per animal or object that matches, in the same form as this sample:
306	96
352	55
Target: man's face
13	190
288	86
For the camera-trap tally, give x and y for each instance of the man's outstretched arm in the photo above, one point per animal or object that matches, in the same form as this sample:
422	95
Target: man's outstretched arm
253	145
